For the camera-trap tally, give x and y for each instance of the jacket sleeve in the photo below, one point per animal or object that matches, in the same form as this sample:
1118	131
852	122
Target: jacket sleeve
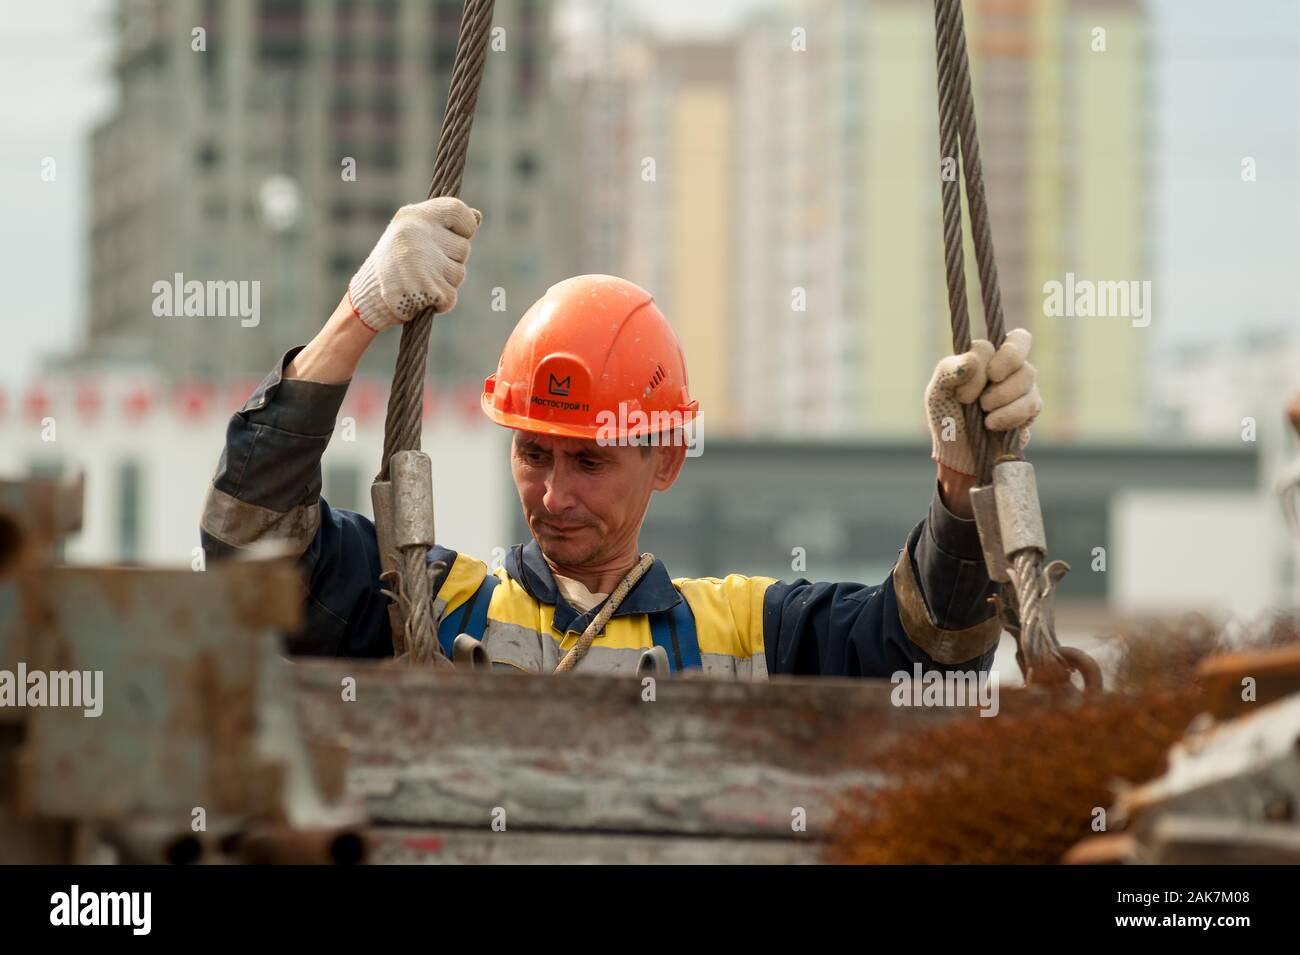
932	609
267	489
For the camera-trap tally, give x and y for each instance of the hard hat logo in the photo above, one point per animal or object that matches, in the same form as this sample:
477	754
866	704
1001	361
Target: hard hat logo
594	358
559	390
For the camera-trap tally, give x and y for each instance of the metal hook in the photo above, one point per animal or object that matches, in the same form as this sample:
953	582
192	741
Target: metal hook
652	662
470	653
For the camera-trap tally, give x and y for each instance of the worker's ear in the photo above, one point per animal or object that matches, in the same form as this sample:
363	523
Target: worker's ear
668	464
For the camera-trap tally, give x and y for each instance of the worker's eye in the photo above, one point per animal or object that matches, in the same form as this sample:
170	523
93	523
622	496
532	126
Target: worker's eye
534	458
590	465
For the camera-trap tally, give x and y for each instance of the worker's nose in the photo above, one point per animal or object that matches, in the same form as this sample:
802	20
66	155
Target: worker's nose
558	497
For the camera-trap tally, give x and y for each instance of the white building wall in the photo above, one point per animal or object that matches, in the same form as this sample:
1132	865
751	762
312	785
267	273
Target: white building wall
1180	552
176	455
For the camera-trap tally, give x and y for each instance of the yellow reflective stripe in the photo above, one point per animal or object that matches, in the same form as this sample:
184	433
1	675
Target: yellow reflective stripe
512	604
462	581
621	633
728	612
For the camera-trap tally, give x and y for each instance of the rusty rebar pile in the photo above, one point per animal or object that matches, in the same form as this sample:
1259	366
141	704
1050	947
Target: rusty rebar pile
1012	789
1025	787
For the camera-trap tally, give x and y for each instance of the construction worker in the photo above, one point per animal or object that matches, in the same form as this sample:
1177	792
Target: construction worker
595	350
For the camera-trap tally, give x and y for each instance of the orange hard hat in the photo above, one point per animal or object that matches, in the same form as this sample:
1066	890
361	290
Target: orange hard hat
593	358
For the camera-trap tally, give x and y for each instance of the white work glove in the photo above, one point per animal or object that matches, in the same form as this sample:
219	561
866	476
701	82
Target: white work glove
1006	385
418	262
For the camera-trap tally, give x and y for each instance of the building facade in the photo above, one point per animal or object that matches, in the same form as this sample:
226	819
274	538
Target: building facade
854	146
270	142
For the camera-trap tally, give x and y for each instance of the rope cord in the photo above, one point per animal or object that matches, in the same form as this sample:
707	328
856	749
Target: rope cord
579	649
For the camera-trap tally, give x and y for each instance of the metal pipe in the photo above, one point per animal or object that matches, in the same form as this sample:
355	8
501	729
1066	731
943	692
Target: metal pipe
381	500
412	475
151	843
279	845
470	653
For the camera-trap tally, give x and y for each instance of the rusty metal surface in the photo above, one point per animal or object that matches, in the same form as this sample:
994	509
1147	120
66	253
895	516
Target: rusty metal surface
181	655
1246	769
282	845
399	846
26	841
1019	789
1274	673
14	634
34	514
589	754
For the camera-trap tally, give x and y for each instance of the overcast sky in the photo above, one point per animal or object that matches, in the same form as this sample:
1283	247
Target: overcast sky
1226	83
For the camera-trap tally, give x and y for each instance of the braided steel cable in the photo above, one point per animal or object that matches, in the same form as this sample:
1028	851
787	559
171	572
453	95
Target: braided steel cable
1023	601
403	422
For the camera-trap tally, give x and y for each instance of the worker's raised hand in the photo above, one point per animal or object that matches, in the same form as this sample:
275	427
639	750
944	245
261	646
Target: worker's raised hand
418	263
1005	383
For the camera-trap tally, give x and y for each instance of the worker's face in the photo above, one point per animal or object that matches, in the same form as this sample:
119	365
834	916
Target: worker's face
585	502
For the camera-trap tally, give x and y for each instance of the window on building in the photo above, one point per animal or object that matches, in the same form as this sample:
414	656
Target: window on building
280	31
42	467
385	155
446	17
128	511
385	104
209	156
526	165
210	20
444	55
525	78
518	215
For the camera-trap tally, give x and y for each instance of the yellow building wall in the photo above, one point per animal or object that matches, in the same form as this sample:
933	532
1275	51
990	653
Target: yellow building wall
899	274
701	243
1046	187
1110	231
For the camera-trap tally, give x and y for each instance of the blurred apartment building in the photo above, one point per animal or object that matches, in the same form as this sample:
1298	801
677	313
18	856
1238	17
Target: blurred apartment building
839	196
1216	392
792	230
231	162
680	218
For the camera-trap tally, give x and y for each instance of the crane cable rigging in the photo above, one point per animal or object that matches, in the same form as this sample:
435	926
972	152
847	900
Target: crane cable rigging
1006	502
